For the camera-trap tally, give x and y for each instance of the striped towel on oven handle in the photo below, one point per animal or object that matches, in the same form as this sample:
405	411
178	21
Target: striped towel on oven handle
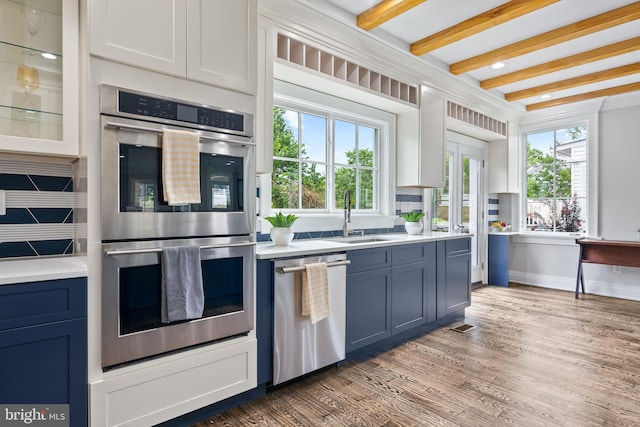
181	167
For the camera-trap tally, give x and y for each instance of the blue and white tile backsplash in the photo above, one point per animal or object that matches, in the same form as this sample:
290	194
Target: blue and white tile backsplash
39	209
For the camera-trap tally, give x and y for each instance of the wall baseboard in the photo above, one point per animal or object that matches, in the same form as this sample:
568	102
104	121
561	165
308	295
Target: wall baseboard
606	289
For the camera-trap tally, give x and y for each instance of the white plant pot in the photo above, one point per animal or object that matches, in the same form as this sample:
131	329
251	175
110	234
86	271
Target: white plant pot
281	236
413	227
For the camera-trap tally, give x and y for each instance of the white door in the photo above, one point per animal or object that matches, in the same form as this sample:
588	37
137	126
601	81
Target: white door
459	205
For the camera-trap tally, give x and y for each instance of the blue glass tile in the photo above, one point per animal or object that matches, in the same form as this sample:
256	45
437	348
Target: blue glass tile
69	219
15	182
15	249
51	247
260	237
51	215
52	183
493	212
408	198
17	216
494	201
398	228
315	234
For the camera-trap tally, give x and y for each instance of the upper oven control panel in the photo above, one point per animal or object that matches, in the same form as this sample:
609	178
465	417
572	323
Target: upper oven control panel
127	103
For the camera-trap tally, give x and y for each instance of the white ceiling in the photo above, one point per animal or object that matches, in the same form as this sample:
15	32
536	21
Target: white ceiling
436	15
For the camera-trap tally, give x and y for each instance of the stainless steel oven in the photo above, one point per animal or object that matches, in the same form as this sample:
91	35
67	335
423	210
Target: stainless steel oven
137	225
132	187
131	297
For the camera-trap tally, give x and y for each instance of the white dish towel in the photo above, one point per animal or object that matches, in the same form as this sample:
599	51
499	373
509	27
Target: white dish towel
315	291
181	167
182	286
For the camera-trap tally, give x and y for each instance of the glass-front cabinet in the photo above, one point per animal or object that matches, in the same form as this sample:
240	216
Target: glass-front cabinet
39	77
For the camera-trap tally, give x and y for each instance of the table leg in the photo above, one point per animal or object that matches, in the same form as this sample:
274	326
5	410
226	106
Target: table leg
580	277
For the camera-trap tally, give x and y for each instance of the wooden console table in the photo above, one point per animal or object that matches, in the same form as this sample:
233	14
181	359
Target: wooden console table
609	252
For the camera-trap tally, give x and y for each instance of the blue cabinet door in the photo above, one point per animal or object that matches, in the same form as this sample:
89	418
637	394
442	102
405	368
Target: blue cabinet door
408	296
46	364
368	308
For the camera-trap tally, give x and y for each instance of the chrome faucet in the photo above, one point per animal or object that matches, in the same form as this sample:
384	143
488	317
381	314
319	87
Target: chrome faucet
347	213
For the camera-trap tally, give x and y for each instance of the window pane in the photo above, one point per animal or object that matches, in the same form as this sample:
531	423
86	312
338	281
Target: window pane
314	138
440	208
540	148
284	185
285	133
345	179
314	184
366	197
345	142
367	146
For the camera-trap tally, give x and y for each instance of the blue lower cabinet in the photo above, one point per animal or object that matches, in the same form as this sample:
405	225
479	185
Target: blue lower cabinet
45	363
498	258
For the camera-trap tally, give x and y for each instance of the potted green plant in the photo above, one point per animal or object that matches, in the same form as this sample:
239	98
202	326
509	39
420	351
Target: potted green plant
413	224
281	228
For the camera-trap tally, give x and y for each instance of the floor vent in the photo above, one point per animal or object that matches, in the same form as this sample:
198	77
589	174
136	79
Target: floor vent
463	328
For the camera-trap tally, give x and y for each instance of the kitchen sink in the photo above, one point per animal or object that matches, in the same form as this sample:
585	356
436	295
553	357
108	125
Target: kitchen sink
359	239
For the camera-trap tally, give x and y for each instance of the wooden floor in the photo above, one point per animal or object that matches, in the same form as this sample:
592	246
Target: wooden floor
536	357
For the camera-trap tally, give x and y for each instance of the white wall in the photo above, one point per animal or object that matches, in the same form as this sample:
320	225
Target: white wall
554	264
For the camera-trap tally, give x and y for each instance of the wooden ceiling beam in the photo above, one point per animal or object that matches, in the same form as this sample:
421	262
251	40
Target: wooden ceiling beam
560	64
484	21
617	90
612	73
578	29
384	11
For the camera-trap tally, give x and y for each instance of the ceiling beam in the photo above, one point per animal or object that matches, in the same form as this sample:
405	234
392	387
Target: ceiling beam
593	55
484	21
578	29
617	90
586	79
384	11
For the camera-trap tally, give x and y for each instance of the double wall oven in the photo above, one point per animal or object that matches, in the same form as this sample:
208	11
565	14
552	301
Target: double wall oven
137	224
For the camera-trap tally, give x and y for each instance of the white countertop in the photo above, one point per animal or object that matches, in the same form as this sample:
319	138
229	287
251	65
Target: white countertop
267	250
40	269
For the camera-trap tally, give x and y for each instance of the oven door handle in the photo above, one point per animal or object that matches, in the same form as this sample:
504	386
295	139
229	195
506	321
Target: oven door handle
157	250
159	129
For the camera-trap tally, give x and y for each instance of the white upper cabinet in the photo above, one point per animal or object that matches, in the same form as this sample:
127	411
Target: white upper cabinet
504	162
39	93
421	143
211	41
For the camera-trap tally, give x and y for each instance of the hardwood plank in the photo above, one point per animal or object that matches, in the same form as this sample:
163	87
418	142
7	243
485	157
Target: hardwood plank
537	357
384	11
593	55
612	73
484	21
616	90
572	31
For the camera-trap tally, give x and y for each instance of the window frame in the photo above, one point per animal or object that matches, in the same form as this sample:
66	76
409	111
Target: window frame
564	121
310	101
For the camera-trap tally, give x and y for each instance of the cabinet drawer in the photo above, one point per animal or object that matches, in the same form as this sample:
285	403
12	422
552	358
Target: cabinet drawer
458	246
36	303
409	254
368	259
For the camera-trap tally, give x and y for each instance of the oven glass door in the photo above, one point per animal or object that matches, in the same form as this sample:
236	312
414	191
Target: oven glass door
140	292
131	297
221	182
133	204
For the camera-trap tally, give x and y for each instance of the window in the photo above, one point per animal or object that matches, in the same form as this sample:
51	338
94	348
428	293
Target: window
557	180
317	155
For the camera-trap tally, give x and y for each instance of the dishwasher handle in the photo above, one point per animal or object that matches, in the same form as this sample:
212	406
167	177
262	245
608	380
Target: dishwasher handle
285	270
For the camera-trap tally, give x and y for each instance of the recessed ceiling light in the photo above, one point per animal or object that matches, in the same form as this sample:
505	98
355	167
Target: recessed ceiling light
48	55
498	65
545	96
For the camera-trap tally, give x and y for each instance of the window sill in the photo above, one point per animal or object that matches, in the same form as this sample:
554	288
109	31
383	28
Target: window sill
329	222
545	238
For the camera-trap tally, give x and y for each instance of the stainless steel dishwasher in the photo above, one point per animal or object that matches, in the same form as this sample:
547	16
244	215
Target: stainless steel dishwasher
299	346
